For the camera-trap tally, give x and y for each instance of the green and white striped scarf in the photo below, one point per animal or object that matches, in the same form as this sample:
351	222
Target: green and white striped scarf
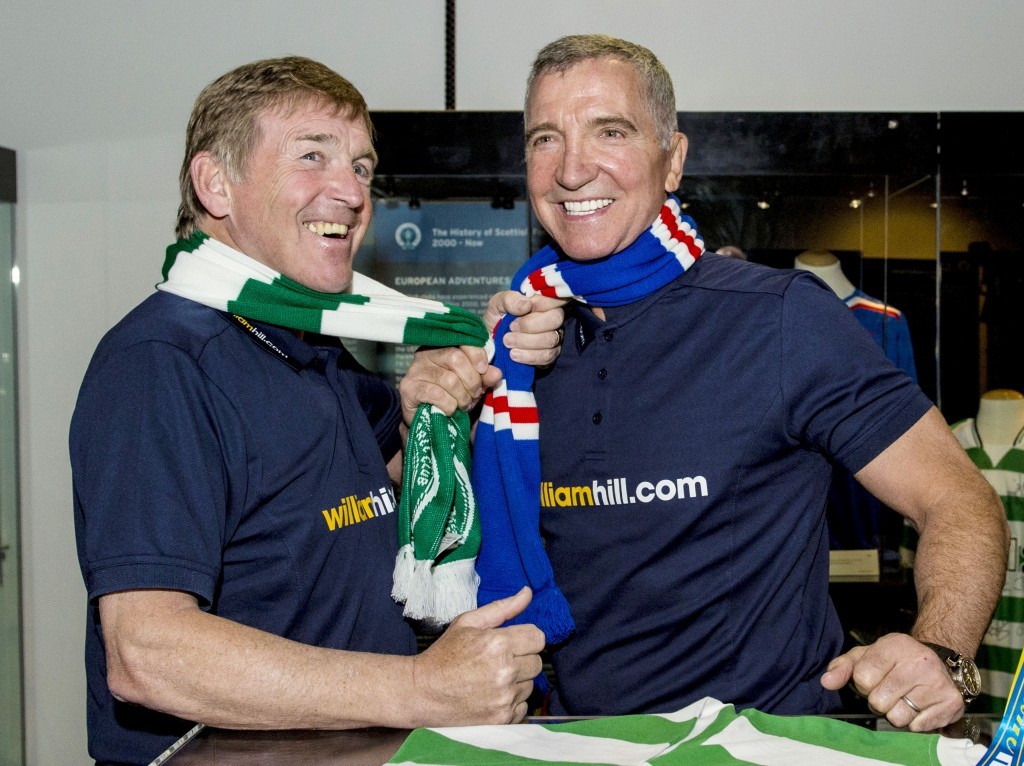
706	733
439	531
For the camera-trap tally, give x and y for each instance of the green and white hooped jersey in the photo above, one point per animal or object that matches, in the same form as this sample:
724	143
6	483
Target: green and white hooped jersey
1001	647
706	733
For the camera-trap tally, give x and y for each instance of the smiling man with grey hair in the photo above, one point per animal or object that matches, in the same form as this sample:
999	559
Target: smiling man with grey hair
687	432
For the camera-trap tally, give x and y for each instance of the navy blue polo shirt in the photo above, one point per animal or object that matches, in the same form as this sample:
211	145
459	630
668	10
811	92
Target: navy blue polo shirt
232	460
685	458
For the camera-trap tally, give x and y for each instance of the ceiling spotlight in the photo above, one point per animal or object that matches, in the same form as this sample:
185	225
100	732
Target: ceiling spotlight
963	190
763	204
855	203
871	190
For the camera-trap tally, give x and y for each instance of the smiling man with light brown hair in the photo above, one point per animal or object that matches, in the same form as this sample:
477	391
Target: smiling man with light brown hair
233	467
687	433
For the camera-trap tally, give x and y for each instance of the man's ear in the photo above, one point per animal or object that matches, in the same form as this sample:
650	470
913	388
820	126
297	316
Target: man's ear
677	156
212	185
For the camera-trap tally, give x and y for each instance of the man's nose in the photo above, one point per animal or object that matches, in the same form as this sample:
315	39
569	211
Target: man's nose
347	186
576	168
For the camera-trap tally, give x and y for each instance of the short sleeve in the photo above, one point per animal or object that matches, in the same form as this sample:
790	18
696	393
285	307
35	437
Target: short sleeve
844	397
153	444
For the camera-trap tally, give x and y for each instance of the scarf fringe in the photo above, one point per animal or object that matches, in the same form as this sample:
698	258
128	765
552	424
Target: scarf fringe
435	595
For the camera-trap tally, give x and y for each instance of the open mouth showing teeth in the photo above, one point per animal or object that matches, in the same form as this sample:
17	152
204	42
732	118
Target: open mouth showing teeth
585	206
332	230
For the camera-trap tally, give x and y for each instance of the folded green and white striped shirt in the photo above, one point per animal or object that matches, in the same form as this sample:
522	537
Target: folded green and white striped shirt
706	733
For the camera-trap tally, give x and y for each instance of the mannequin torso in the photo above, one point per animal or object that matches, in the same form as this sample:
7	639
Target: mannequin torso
1000	419
826	266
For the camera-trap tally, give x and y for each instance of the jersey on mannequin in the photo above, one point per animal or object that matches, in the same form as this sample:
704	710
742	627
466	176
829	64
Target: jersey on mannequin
999	428
887	324
994	441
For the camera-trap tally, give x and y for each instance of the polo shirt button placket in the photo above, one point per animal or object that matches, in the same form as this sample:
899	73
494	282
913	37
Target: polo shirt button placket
608	335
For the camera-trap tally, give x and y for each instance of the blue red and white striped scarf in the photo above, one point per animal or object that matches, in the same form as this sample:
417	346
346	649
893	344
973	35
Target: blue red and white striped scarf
506	454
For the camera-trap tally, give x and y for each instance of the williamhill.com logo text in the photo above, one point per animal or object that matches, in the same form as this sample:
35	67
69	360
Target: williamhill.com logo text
353	510
617	492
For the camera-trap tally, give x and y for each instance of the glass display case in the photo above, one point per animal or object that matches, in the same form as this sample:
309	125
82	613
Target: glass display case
924	210
923	213
11	692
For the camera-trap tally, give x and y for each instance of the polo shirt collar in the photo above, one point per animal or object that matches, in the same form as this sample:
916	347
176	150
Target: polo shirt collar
588	326
279	342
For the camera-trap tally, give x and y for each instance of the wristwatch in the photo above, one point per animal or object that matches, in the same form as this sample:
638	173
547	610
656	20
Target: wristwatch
962	671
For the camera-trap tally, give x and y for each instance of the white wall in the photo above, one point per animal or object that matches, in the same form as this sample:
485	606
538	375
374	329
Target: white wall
94	98
744	55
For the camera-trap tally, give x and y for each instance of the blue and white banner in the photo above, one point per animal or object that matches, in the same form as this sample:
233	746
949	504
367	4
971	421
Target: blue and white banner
1005	749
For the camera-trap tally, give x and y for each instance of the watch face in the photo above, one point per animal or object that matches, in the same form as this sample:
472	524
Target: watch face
971	677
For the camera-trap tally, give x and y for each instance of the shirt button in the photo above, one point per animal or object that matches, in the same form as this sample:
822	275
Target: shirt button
597	418
608	335
602	374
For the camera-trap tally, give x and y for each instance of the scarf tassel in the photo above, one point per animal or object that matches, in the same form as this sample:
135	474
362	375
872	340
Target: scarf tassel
435	595
439	538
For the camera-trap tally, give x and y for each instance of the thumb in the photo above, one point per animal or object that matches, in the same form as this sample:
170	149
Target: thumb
839	672
505	302
497	613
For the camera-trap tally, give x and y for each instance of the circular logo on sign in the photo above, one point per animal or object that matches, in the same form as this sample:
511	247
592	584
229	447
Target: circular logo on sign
408	236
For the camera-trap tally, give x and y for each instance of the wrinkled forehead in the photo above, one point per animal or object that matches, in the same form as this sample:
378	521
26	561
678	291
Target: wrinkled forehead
613	78
595	64
593	93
